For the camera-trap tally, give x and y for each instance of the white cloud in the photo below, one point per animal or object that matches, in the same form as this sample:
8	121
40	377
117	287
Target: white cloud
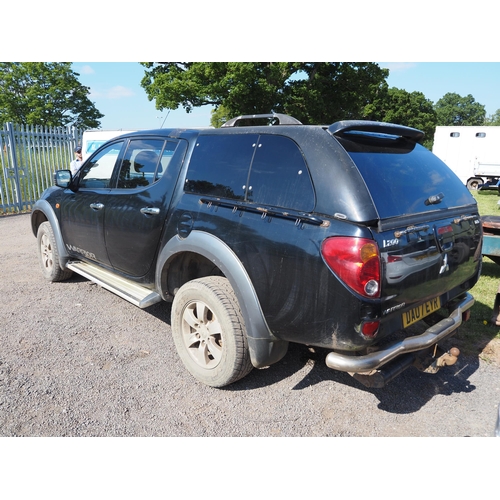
86	70
94	94
119	92
398	66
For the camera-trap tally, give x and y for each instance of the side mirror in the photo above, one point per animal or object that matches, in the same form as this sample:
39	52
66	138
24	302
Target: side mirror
62	178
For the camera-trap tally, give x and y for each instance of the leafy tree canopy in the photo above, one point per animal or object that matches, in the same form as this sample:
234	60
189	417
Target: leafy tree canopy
311	92
38	93
494	119
412	109
452	109
219	116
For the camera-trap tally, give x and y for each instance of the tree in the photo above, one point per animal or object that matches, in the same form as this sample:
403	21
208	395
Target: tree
219	116
494	119
38	93
311	92
412	109
452	109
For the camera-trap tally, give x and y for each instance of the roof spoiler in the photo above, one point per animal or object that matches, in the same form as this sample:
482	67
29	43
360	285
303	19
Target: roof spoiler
280	118
339	128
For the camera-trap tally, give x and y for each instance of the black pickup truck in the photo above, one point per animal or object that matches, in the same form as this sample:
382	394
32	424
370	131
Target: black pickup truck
350	237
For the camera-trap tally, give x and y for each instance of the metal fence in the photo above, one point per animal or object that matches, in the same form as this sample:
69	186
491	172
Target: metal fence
28	158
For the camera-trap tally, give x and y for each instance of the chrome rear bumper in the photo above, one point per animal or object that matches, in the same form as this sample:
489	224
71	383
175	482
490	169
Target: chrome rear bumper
375	360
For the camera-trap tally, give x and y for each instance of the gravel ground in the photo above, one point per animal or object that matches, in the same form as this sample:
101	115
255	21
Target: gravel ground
76	360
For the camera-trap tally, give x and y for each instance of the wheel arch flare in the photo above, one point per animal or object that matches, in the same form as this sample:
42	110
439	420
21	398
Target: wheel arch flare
265	348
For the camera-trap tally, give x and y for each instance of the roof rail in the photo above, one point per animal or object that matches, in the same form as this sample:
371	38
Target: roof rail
339	128
282	119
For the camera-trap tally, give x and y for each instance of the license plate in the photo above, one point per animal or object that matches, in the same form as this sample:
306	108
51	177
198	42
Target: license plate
421	311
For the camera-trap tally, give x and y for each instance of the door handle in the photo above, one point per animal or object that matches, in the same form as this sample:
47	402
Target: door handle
96	206
150	211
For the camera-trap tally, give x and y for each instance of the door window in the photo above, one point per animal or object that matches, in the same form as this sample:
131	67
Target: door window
166	156
141	164
97	172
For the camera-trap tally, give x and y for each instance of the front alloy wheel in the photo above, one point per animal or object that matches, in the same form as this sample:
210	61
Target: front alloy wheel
48	254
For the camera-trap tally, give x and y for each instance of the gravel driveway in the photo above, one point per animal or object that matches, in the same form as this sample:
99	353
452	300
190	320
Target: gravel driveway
76	360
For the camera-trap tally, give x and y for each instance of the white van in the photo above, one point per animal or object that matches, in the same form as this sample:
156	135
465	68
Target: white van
94	139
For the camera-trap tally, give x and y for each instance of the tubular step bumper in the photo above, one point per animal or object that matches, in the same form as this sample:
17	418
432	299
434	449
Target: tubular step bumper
132	292
375	360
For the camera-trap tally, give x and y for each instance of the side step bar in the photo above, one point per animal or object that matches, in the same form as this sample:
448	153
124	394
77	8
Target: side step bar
132	292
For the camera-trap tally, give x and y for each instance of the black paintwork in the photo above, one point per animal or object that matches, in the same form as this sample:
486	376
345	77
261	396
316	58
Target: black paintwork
279	246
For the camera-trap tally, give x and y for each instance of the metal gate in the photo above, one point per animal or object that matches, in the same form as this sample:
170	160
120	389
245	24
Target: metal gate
28	158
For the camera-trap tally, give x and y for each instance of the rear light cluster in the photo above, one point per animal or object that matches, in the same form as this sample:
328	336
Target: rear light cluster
356	261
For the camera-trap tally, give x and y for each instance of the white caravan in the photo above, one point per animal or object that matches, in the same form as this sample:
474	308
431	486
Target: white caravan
473	153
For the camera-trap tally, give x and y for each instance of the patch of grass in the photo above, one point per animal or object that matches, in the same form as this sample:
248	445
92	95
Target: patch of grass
487	201
476	333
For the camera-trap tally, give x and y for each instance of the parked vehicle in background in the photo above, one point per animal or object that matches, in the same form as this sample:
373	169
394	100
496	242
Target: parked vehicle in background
92	140
346	237
471	152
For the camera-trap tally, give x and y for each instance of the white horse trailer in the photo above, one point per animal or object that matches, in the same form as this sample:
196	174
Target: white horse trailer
473	153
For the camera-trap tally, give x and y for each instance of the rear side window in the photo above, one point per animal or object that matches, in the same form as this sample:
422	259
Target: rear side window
265	169
403	176
219	165
279	175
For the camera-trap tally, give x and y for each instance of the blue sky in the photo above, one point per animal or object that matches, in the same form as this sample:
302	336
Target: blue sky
365	30
116	91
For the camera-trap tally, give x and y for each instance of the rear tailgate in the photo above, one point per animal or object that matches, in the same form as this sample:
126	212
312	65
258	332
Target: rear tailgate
428	228
426	265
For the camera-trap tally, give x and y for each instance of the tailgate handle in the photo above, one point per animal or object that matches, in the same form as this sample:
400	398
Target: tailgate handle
434	199
411	229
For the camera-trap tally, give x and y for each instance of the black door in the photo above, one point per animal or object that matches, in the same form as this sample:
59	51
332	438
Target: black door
82	212
136	211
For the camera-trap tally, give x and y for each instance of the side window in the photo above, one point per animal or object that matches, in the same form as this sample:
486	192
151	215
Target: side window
166	156
219	165
279	175
97	172
141	163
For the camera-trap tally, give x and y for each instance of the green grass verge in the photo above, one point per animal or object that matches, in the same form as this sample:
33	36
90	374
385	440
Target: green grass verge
476	333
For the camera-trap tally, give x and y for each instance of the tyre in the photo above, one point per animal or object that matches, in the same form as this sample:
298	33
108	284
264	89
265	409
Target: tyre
48	254
209	332
474	183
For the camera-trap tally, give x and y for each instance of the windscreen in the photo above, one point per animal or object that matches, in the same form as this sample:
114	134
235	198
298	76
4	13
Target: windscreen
404	178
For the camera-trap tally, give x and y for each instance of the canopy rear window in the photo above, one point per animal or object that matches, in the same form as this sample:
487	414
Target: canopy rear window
403	177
